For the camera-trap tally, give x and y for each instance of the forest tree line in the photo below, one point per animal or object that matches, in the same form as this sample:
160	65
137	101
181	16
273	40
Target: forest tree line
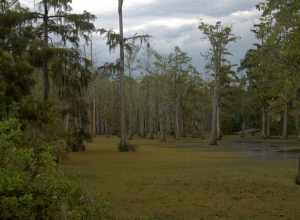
50	81
169	97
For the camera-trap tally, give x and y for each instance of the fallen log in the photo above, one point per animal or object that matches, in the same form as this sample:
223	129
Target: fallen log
251	131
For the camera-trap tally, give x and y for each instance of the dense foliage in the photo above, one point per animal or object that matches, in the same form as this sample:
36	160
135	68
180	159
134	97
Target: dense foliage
32	185
272	67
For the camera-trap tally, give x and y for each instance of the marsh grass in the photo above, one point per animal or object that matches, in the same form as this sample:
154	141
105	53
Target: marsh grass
176	181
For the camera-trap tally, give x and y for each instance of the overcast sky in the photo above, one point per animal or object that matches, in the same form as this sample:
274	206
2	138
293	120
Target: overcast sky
173	23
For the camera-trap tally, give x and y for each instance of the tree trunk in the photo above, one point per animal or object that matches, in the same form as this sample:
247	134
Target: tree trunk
130	126
219	132
142	123
130	105
124	142
45	61
214	132
67	120
285	122
298	176
177	122
216	99
182	126
94	124
162	126
151	126
163	136
263	121
243	128
94	117
268	126
297	125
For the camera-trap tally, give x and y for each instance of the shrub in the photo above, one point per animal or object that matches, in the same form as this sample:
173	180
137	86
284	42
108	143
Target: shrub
33	187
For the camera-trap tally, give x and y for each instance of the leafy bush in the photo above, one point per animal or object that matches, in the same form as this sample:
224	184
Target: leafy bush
15	82
33	187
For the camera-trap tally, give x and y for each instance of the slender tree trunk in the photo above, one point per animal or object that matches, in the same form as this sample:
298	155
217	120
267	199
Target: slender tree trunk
297	125
214	132
285	122
163	136
94	124
268	126
124	142
298	176
94	117
297	122
130	106
45	61
67	120
219	132
177	122
141	123
216	99
97	123
90	118
130	125
263	123
151	123
162	126
182	127
243	128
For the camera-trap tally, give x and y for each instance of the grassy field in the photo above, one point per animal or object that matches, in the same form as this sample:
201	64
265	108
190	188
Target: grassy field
186	180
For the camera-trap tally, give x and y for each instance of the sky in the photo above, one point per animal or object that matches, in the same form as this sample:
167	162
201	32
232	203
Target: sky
173	23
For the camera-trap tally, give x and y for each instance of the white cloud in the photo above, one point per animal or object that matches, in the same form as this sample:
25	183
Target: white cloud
171	23
105	6
97	6
247	14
